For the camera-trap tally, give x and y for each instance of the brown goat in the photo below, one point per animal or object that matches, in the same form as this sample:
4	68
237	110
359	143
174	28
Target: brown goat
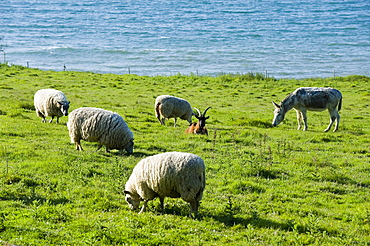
199	127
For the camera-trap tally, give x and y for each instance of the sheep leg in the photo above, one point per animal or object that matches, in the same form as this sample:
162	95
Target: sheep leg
78	145
161	199
52	118
145	205
158	114
161	121
41	115
99	147
193	208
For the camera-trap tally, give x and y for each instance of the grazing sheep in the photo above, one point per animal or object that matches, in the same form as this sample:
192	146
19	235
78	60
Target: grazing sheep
170	174
102	126
200	126
172	107
50	102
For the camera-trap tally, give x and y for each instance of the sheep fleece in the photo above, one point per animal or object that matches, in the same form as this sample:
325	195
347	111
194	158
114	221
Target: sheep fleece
172	107
46	102
171	174
99	125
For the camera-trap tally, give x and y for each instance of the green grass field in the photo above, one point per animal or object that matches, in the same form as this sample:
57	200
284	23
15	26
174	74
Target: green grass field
265	186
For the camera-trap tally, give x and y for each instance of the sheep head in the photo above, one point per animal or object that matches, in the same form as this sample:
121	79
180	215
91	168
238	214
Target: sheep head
133	200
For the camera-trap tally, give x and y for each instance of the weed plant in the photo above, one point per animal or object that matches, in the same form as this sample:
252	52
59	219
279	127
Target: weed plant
265	186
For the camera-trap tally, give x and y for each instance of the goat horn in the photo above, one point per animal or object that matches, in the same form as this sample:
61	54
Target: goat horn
205	111
199	114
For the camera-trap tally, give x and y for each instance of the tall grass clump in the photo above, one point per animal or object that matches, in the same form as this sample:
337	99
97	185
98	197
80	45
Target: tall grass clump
264	185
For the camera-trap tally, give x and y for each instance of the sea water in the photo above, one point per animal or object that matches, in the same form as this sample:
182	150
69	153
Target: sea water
283	39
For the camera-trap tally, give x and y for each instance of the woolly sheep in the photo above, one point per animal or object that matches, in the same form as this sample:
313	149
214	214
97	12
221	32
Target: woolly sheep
170	174
50	102
101	126
172	107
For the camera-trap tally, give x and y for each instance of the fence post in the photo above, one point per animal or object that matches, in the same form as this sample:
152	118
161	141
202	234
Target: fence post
4	54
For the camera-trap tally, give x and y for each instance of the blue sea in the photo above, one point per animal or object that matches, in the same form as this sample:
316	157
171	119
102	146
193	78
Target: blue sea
283	39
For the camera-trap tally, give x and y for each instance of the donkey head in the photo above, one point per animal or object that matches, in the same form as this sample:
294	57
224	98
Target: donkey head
279	114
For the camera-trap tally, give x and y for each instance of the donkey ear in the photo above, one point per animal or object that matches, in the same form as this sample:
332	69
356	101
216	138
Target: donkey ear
276	105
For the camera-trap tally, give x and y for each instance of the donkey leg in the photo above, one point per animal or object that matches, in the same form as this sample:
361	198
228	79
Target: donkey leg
333	117
330	124
304	117
299	119
337	123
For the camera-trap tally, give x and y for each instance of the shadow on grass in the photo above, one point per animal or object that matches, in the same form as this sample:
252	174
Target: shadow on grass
254	220
31	199
118	154
227	218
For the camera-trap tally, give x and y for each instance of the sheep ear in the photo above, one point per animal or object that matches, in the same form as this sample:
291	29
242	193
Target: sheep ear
127	192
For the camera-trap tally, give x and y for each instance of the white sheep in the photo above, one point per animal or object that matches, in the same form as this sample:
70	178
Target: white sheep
172	107
101	126
50	102
170	174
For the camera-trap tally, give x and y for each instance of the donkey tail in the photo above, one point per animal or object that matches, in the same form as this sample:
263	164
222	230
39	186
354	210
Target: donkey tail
340	104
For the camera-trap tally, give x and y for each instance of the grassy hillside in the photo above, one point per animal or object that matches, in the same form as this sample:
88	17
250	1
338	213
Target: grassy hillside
265	186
